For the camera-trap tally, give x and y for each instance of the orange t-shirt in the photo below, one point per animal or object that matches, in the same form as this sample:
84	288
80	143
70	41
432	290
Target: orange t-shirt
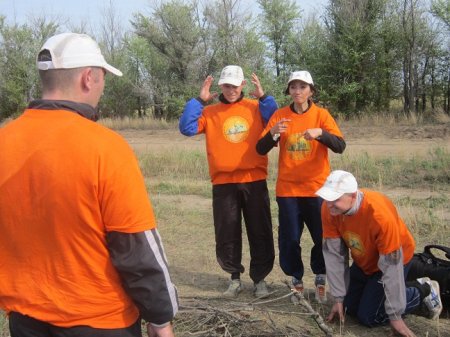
303	165
375	229
232	131
64	182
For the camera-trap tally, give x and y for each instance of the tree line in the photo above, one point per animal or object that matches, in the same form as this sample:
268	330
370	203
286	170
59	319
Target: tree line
365	56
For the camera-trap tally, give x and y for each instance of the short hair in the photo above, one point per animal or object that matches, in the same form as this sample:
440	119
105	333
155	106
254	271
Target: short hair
57	78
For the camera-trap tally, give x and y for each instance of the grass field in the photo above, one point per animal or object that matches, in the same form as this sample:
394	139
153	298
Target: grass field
408	162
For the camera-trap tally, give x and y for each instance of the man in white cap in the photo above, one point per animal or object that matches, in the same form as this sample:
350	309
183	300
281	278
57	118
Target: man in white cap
373	289
81	255
238	173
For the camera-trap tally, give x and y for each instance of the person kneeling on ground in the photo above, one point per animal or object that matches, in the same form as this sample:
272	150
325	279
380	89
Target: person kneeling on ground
381	246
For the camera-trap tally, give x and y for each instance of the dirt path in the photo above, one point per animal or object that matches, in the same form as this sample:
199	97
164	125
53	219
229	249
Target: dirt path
382	141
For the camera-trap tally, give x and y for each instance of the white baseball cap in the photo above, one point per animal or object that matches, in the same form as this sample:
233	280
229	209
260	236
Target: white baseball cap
301	75
338	183
231	75
72	50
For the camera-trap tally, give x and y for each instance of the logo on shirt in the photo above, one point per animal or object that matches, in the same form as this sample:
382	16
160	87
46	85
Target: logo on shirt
354	242
235	129
298	147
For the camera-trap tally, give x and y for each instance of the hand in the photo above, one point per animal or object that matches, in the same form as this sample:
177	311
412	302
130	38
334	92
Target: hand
311	134
166	331
399	327
280	126
338	308
204	91
258	92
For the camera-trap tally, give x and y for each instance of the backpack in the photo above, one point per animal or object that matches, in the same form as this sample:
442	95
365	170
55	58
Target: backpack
427	264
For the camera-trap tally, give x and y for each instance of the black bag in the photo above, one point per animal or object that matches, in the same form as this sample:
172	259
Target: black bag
427	264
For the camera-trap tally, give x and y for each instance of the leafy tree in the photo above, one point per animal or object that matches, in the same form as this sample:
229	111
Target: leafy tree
352	27
278	21
441	9
19	45
118	98
307	50
232	36
173	34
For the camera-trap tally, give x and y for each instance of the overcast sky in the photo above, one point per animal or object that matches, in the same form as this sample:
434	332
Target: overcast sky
89	11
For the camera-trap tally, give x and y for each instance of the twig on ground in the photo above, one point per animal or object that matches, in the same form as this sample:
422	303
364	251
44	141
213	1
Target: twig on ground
315	315
269	301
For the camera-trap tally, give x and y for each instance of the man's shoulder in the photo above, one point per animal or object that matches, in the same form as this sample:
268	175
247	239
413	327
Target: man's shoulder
373	196
97	133
378	203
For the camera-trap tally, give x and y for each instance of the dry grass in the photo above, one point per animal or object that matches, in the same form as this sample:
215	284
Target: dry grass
177	178
144	123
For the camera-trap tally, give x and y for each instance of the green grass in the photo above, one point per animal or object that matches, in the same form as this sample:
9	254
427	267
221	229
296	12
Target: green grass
180	172
418	185
429	172
180	190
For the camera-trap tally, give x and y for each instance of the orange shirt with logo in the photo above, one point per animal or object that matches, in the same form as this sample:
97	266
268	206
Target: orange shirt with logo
231	132
375	229
64	182
303	165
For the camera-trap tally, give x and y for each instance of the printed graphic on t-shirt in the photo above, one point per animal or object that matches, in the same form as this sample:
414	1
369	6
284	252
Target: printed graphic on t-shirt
235	129
354	242
298	147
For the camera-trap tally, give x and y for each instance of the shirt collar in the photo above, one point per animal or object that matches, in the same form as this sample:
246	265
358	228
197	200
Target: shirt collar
82	109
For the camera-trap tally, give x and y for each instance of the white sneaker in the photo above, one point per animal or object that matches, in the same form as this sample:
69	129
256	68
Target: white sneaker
432	302
260	289
234	289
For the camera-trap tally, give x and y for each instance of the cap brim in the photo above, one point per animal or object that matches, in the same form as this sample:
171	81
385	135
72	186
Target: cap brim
109	68
328	194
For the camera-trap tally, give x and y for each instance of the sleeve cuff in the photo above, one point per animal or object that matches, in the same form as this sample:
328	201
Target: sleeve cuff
395	317
201	101
160	325
339	299
263	97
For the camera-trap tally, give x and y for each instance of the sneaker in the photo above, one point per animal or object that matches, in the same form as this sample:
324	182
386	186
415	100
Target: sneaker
260	289
297	285
297	290
432	302
321	293
234	289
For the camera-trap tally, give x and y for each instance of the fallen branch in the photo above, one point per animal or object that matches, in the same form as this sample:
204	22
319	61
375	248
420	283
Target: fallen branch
314	314
269	301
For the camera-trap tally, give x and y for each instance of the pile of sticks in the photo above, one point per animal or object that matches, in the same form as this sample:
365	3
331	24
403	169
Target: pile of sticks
216	317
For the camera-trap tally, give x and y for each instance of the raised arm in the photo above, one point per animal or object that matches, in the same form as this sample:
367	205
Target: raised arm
267	104
193	109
